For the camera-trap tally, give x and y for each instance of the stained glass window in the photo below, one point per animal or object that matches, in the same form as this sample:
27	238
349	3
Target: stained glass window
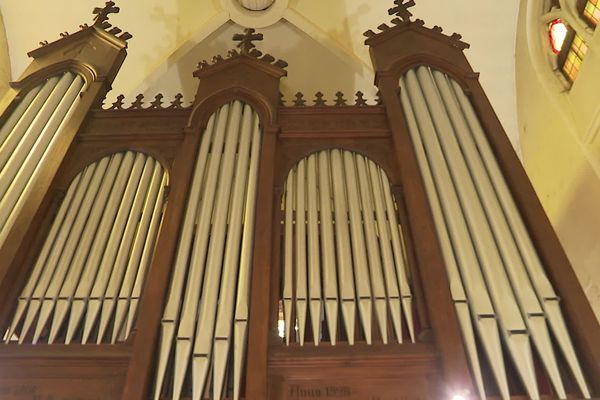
557	31
591	11
574	58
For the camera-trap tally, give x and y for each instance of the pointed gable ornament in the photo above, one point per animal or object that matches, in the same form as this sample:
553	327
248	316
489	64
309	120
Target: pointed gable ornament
402	9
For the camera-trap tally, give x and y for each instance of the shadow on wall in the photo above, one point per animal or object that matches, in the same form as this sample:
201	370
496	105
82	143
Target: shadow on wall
4	59
577	224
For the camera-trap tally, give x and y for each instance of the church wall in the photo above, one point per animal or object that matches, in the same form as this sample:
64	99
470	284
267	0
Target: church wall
4	59
560	153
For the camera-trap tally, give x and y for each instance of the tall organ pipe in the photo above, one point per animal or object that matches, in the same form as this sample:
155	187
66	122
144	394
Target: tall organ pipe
314	265
431	158
363	238
288	260
171	313
27	137
301	292
330	282
240	329
375	268
548	299
221	202
224	318
85	231
359	254
343	250
502	294
97	231
523	289
495	223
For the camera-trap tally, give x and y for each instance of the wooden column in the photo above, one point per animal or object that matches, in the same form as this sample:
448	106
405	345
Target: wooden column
260	298
139	375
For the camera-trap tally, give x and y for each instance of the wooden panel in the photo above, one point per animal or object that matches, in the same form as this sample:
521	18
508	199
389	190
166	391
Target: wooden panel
57	373
361	372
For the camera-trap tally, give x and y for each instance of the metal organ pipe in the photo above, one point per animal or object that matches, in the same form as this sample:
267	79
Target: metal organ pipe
431	158
86	229
524	292
458	152
300	276
171	312
545	292
329	273
376	273
27	137
456	285
350	197
216	260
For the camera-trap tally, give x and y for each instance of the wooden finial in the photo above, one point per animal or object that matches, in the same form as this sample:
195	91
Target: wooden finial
245	40
401	9
319	100
299	100
360	99
118	105
102	13
137	104
157	103
177	102
339	99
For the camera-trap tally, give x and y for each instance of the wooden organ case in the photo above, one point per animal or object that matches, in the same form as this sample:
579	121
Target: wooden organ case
241	248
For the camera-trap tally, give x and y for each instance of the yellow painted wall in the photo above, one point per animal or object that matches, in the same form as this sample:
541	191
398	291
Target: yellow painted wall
4	60
561	156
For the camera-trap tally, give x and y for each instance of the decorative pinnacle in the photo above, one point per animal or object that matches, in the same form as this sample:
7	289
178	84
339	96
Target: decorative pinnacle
401	9
103	13
245	40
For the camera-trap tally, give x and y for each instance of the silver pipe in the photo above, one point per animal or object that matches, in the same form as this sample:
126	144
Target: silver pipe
542	285
462	246
40	263
502	295
288	254
90	174
231	262
68	272
400	260
345	273
126	224
300	278
314	267
330	284
149	247
243	290
524	292
94	239
359	255
18	113
142	248
379	280
185	332
171	313
207	309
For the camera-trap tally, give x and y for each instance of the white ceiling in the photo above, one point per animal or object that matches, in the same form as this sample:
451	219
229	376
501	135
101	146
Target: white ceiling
321	40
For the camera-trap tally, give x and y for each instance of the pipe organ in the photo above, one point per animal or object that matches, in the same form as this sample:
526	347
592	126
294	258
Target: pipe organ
345	215
27	136
242	248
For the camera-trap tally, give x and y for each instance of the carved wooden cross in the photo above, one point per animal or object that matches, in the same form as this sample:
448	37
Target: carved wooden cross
401	9
103	13
245	40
